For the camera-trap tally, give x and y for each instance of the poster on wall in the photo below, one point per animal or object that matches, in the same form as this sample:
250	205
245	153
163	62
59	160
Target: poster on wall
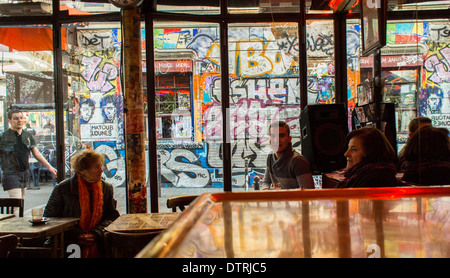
95	132
182	127
158	127
98	117
435	104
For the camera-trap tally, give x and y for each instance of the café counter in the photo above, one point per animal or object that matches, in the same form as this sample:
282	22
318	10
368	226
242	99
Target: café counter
323	223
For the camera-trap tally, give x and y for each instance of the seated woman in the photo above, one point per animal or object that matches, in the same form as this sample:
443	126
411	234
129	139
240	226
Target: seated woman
427	157
87	196
370	160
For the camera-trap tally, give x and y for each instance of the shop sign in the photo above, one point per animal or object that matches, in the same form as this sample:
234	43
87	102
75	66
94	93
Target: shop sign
388	61
180	65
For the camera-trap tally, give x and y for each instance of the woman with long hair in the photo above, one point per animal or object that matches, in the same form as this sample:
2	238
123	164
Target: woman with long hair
370	160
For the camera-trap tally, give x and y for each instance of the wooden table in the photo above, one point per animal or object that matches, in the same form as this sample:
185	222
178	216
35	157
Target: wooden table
323	223
130	233
142	222
6	216
56	226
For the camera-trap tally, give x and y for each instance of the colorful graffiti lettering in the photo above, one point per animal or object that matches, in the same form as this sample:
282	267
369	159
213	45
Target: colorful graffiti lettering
439	66
98	77
114	168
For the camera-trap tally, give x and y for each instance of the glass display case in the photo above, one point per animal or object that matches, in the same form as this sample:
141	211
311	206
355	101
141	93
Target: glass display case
327	223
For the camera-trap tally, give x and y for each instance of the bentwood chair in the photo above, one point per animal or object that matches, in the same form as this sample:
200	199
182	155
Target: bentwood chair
7	205
180	202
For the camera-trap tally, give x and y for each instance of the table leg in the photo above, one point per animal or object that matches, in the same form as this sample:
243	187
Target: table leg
58	246
61	245
55	246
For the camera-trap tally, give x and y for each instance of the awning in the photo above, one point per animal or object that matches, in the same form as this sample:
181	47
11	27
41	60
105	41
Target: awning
34	38
30	39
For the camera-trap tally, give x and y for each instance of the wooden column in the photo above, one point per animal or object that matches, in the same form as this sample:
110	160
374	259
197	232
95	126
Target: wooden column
134	111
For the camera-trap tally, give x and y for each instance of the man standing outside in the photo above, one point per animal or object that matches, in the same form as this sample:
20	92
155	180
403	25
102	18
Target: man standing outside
285	168
15	147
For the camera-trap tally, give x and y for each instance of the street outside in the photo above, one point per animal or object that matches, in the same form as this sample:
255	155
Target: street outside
39	197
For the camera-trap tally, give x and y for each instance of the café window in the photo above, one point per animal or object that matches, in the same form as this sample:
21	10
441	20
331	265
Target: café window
173	106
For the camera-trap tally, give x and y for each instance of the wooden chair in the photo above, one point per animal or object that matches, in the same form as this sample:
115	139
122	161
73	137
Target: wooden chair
180	202
7	244
126	244
7	205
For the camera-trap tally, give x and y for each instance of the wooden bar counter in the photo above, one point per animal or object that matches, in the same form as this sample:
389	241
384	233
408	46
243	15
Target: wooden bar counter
322	223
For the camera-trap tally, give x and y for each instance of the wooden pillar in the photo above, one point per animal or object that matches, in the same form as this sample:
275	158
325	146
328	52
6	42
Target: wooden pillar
134	111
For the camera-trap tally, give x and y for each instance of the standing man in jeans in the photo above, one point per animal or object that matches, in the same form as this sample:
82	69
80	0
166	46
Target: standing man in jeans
285	168
15	147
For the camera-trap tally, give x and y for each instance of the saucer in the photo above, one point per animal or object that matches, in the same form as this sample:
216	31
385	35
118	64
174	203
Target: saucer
42	221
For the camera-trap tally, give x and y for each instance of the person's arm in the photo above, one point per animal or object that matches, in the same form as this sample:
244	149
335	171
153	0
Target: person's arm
44	162
305	181
303	174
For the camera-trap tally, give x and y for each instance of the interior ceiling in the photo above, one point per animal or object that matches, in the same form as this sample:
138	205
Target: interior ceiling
317	5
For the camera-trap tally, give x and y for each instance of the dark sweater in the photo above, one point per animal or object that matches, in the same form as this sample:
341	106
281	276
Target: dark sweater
427	172
64	202
287	171
381	174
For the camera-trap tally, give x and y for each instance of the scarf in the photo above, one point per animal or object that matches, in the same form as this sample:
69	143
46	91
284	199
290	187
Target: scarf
361	169
89	220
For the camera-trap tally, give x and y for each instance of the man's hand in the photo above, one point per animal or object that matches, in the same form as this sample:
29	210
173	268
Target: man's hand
53	171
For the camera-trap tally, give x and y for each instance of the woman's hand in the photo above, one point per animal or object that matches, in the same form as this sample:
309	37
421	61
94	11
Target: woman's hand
87	239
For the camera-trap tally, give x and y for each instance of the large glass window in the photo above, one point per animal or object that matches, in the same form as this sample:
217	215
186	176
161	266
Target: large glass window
321	67
264	87
188	109
415	71
26	84
94	109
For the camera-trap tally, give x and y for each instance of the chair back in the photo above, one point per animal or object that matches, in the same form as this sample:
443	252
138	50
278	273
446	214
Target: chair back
7	244
7	205
126	244
180	202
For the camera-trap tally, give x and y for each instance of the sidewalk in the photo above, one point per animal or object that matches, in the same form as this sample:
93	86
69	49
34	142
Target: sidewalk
38	198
